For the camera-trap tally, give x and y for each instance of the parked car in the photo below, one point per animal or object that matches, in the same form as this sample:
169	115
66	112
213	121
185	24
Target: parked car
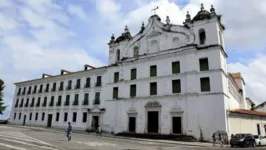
243	140
260	140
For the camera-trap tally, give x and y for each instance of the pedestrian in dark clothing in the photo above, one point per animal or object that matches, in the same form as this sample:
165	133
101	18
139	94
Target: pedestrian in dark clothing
69	131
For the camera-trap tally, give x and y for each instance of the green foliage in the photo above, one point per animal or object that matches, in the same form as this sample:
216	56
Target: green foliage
252	106
2	107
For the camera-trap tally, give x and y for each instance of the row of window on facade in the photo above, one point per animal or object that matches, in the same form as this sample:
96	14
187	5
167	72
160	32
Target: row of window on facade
204	66
74	116
202	41
61	86
76	102
176	87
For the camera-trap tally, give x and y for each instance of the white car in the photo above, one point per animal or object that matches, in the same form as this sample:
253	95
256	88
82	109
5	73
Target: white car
260	140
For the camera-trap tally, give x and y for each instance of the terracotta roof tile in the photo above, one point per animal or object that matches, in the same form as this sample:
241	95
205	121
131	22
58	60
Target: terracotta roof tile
248	112
236	75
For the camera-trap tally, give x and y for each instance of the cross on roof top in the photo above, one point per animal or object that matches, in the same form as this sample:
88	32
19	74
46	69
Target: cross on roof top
154	9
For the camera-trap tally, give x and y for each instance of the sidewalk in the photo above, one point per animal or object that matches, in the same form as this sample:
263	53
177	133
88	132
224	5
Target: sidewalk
107	135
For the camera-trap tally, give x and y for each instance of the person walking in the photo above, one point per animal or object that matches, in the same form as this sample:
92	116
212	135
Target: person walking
221	140
99	131
213	139
69	131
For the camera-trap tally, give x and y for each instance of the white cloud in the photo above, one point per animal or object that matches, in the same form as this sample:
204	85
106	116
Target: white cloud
77	11
254	74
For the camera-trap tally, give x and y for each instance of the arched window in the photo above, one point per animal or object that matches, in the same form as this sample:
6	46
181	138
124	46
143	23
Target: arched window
202	36
118	55
136	52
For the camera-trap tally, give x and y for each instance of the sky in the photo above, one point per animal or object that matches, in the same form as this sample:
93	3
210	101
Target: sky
45	36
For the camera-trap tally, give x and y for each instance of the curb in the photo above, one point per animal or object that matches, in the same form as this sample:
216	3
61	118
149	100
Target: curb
113	137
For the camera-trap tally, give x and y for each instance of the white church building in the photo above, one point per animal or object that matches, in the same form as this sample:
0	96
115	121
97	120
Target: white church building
166	79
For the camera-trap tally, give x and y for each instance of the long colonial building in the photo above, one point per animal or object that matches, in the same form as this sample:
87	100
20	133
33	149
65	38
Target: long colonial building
167	79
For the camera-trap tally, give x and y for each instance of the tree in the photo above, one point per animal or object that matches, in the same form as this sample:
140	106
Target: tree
2	107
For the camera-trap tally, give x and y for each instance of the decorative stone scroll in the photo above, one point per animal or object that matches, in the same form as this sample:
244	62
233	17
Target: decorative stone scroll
132	110
153	104
176	109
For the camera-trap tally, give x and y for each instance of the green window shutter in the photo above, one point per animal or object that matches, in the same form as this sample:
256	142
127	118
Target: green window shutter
205	84
176	86
133	90
153	71
153	88
176	67
133	74
204	64
115	93
116	76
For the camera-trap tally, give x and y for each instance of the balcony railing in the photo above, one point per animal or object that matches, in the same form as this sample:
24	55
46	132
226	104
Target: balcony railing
40	91
76	102
98	84
32	105
68	87
53	89
58	104
44	104
47	90
21	105
67	103
96	102
26	105
23	93
34	92
85	102
18	93
28	92
77	86
38	105
61	88
51	104
87	85
16	105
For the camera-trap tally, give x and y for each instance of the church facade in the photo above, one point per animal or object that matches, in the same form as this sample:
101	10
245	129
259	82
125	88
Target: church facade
167	79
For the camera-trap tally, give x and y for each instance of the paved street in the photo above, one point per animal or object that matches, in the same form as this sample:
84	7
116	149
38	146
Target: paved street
16	138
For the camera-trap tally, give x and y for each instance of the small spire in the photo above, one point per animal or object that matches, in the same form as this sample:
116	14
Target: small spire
212	10
202	7
167	20
112	38
126	29
142	26
188	18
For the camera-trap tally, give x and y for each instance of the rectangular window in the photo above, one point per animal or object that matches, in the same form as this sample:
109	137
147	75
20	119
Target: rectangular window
176	86
205	84
115	92
67	100
38	102
17	102
21	103
88	82
133	74
133	90
116	77
153	88
76	100
35	89
204	64
24	91
57	116
175	67
19	90
74	117
61	86
84	117
44	101
99	81
65	117
15	114
32	102
54	87
47	88
52	101
19	116
27	102
86	99
40	90
69	85
153	71
78	84
30	116
36	116
97	98
59	101
43	116
29	90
